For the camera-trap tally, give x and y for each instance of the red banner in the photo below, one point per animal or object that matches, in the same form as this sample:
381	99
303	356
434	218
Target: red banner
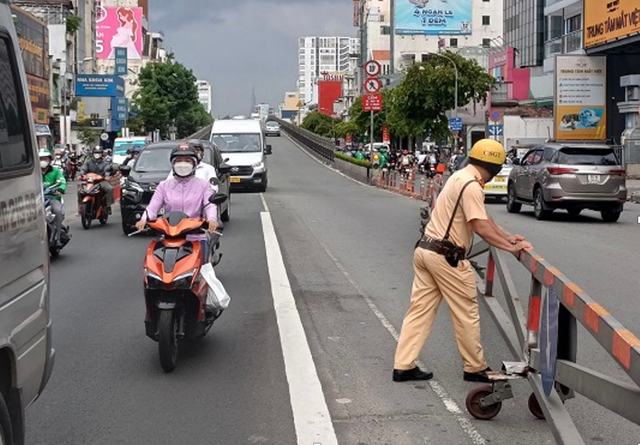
372	102
386	137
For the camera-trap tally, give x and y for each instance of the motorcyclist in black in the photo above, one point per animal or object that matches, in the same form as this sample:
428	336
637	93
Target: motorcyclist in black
132	155
99	165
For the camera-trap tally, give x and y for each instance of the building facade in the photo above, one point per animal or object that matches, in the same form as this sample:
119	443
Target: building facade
205	95
524	30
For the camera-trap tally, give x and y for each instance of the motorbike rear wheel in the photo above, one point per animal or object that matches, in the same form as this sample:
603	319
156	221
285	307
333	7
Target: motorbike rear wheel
168	340
86	216
104	217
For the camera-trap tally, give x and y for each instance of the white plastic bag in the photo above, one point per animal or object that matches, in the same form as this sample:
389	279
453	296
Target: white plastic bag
217	296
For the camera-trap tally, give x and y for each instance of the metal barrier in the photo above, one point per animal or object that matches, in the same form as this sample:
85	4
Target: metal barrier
203	133
545	343
322	146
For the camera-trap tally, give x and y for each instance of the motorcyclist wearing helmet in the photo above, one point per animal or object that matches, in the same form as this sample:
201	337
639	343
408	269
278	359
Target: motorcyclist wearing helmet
442	271
203	170
184	192
54	183
132	154
99	165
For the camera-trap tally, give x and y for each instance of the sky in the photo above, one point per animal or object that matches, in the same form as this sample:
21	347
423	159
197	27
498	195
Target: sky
240	44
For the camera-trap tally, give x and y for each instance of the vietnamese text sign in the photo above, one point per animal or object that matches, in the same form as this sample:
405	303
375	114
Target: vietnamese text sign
607	20
121	61
433	17
580	109
372	102
119	108
98	85
118	28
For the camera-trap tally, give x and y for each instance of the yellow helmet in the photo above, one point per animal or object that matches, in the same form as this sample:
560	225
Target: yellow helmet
488	151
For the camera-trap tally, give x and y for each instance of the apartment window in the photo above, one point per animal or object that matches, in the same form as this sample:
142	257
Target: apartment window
424	58
15	151
486	20
453	43
574	24
385	30
486	43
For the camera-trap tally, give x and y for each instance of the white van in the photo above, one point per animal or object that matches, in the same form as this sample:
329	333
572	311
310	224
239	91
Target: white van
122	145
26	355
242	144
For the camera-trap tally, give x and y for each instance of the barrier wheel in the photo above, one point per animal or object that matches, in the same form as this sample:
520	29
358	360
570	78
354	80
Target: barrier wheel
534	407
476	409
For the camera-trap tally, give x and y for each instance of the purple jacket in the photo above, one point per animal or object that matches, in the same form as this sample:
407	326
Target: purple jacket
182	195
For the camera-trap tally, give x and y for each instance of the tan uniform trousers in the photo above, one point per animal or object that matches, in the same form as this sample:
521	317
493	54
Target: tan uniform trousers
435	279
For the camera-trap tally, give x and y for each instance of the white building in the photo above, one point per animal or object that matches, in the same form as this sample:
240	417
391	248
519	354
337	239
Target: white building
319	56
205	96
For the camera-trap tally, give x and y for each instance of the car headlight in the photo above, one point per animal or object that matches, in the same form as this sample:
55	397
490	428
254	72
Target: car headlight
258	165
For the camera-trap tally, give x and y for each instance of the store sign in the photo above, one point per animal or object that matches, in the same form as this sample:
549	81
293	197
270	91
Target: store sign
430	17
580	109
119	108
94	85
608	20
121	61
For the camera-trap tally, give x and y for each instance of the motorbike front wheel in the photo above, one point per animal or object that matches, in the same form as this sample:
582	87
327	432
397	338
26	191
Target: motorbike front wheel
86	216
168	340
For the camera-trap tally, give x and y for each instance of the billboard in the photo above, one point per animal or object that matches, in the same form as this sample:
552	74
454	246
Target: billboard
608	20
99	85
328	92
580	109
433	17
118	28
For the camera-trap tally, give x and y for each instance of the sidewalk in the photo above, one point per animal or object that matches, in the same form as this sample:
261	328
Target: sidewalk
633	187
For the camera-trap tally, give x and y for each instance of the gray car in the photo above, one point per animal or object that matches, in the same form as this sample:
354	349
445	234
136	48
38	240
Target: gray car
570	176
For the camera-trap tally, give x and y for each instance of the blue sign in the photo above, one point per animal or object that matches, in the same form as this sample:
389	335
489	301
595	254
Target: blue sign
549	340
455	124
121	61
97	85
433	17
119	109
496	130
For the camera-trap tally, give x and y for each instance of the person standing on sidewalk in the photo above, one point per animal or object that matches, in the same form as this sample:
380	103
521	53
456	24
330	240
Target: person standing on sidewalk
441	270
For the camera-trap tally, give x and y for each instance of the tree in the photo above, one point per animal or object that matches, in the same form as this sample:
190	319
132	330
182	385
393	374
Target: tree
168	94
87	135
420	101
320	124
362	119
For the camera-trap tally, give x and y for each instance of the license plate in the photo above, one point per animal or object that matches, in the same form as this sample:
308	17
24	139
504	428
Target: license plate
235	180
500	179
593	179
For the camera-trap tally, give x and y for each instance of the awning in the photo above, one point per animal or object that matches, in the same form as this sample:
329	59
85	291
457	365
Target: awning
42	130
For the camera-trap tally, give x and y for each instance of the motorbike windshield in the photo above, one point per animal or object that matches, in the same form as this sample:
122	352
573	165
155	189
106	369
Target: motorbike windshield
158	160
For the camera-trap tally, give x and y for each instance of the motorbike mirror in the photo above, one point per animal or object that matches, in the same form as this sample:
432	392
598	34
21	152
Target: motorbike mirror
225	168
125	170
218	198
516	161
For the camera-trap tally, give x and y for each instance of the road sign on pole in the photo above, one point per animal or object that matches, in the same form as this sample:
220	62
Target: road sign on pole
496	130
372	85
495	116
372	102
455	124
372	68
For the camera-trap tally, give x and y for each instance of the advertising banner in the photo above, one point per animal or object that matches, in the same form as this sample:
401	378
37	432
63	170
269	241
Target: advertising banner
121	61
433	17
607	20
580	110
118	28
98	85
39	93
356	13
119	109
328	92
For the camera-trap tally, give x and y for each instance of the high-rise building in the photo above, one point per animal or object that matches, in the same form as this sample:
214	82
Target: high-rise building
524	30
321	56
205	95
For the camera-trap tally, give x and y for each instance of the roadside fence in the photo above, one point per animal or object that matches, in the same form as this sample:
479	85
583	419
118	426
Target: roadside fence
324	147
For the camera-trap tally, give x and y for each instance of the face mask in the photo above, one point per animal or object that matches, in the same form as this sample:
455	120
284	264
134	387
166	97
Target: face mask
44	164
97	156
183	169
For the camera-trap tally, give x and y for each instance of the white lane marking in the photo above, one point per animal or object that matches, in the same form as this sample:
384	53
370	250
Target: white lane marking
450	404
264	202
310	412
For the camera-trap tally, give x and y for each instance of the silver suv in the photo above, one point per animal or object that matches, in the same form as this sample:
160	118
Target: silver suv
570	176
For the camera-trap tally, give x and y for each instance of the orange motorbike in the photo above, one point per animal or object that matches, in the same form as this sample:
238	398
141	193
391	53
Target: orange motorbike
93	204
175	291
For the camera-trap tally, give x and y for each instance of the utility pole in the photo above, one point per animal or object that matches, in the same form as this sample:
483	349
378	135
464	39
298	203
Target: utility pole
392	36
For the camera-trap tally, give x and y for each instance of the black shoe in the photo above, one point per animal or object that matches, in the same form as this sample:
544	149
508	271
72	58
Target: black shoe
411	374
480	376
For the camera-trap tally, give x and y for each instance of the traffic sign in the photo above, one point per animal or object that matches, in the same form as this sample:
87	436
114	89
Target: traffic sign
372	102
455	124
104	137
495	116
372	68
372	85
496	130
549	340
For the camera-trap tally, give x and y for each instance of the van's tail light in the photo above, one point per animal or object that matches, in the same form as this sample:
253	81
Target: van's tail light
561	171
620	172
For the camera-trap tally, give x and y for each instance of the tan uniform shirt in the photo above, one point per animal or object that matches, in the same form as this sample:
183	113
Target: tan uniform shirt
471	207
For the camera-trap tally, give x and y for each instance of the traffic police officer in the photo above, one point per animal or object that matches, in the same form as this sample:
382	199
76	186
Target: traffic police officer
442	272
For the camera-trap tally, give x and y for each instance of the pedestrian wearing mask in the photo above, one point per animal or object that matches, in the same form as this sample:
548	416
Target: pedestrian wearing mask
441	270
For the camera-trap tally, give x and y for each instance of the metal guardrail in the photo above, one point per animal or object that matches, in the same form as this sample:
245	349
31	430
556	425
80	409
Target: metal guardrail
322	146
558	312
203	133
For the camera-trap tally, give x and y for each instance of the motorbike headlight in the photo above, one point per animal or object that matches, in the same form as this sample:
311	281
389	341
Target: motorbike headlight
154	280
184	280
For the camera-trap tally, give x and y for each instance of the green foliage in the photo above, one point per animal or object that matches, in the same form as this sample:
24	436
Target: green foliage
87	135
362	119
168	94
353	160
320	124
73	23
345	128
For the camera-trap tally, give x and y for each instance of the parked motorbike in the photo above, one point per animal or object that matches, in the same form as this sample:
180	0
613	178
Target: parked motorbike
65	236
93	205
175	291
